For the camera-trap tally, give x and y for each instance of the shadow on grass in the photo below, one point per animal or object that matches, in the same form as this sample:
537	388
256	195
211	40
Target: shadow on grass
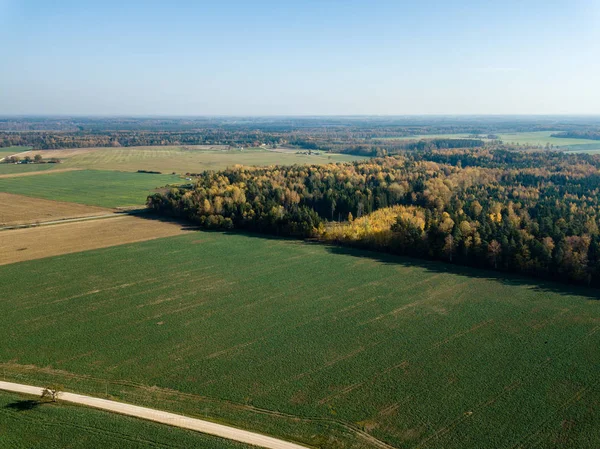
146	214
536	284
435	267
24	405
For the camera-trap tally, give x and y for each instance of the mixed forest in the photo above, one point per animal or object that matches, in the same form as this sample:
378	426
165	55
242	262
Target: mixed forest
373	136
536	213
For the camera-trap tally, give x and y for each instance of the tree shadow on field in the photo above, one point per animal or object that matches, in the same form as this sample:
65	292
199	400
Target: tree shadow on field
436	267
149	215
24	405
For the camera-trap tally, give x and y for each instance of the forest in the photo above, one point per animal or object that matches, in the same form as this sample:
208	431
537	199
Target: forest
355	135
593	134
535	213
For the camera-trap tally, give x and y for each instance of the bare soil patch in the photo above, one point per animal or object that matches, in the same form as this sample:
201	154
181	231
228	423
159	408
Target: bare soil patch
19	209
36	243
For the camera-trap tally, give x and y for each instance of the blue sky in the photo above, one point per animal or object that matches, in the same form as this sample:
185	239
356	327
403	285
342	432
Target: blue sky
299	57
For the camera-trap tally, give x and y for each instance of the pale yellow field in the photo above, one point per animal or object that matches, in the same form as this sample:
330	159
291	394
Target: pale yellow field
180	159
19	209
35	173
32	243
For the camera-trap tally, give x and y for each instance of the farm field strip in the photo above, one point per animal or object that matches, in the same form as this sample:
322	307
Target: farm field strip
171	419
19	209
17	170
260	331
524	138
181	159
542	138
107	189
17	245
9	151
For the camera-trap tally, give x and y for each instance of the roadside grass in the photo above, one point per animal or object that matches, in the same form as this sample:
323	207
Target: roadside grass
27	423
312	343
91	187
183	159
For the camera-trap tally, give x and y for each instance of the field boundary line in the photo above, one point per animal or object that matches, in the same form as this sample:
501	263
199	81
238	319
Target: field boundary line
73	220
171	419
39	172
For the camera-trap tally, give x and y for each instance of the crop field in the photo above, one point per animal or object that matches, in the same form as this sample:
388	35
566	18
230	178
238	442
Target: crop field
589	148
17	245
25	423
91	187
296	339
542	138
9	151
538	138
181	159
426	136
19	209
15	169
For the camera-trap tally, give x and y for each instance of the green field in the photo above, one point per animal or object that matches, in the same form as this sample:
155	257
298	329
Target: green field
6	169
542	138
92	187
426	136
298	339
537	138
9	151
589	148
26	424
180	159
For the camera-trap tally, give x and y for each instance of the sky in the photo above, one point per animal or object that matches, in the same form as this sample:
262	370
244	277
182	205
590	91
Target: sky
303	57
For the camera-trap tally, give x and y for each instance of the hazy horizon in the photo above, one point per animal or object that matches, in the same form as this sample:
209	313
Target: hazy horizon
328	58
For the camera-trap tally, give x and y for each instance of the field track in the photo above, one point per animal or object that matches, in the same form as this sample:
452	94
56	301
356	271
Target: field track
171	419
31	243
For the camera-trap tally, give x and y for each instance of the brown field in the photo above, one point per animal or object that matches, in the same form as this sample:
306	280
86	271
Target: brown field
32	243
33	173
49	154
19	209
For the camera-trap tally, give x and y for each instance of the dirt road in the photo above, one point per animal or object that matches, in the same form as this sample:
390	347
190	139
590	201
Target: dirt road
231	433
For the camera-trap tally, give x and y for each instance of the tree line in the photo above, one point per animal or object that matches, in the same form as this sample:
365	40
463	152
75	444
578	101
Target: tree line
593	134
535	213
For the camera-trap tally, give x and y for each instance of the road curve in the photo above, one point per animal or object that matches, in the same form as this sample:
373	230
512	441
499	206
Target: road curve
171	419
